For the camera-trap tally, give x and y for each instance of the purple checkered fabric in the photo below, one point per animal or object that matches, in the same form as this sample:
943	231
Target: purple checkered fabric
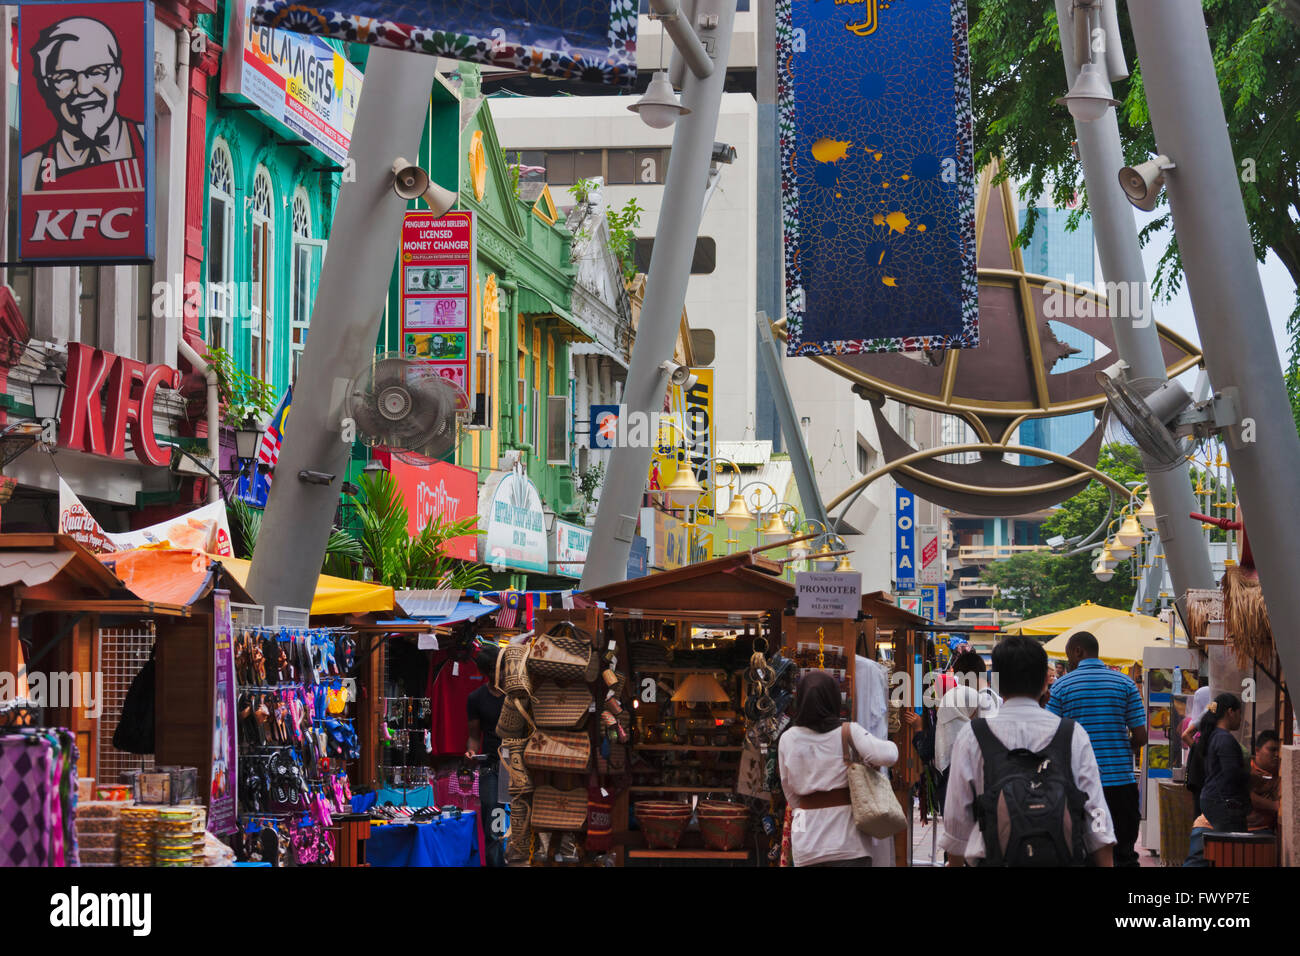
26	792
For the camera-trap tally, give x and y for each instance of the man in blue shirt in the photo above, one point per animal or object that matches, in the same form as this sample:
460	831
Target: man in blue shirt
1109	707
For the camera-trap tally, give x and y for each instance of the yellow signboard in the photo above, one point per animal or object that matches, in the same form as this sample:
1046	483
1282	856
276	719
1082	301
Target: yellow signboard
687	433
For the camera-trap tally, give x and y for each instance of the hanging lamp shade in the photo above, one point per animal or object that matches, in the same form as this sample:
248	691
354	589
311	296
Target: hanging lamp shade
776	527
701	689
844	564
1119	550
1102	572
824	563
1147	514
1108	559
683	491
1130	532
737	516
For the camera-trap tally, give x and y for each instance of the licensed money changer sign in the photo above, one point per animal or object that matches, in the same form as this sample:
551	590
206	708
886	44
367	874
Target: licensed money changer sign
437	296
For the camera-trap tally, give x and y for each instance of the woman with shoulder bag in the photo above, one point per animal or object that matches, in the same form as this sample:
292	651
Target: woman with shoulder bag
1225	790
814	776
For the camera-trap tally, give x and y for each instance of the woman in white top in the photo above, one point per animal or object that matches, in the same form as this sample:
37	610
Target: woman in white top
813	776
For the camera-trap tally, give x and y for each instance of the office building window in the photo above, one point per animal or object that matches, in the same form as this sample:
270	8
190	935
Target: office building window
703	263
637	166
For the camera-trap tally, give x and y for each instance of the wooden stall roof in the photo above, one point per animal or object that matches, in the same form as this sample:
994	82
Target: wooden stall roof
735	582
881	606
82	572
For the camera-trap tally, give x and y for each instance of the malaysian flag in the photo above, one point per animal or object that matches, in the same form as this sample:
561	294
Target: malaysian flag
253	489
508	616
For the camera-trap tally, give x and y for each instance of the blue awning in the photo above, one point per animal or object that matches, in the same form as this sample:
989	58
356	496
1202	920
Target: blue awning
465	611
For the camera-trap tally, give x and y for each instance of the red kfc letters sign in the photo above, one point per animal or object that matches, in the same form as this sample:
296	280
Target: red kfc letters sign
86	131
107	396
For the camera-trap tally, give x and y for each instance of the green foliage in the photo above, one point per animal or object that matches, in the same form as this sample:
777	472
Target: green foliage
246	525
1017	70
393	556
1040	582
241	393
588	483
623	224
513	169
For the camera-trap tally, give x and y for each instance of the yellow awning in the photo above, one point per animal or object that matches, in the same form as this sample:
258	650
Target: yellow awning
333	595
1121	639
1051	624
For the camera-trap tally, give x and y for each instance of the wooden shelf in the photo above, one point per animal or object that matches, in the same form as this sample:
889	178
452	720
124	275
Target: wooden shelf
679	747
688	854
664	789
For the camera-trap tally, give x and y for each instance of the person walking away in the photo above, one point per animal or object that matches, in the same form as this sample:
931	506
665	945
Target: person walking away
1265	785
999	761
957	707
810	754
1108	706
484	710
1225	787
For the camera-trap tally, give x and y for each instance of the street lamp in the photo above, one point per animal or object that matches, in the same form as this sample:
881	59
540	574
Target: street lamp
659	107
47	394
247	437
1089	97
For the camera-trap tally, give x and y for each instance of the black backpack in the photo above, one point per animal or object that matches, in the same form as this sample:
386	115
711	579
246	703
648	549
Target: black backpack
1031	813
135	730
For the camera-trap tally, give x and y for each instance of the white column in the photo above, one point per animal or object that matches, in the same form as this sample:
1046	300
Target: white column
117	310
53	308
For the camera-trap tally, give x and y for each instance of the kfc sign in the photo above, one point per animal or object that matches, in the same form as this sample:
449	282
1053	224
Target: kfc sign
86	131
107	396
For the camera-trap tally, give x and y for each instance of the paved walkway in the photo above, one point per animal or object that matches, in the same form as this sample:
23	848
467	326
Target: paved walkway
925	837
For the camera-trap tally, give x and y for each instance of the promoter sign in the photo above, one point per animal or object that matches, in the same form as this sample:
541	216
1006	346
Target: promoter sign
828	594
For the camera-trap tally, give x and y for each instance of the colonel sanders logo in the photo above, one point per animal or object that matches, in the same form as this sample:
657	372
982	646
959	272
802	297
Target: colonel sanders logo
77	65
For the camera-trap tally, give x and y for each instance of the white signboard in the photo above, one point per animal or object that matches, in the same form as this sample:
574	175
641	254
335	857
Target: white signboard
929	561
829	594
205	529
510	514
571	542
304	86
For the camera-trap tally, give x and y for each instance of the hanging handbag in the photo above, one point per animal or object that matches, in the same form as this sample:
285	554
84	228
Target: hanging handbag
555	809
558	750
876	811
512	671
519	838
561	706
521	781
564	659
513	722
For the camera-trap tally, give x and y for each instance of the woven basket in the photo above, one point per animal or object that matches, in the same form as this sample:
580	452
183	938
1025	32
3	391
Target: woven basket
555	809
662	826
512	722
512	671
521	781
561	707
520	836
723	825
564	659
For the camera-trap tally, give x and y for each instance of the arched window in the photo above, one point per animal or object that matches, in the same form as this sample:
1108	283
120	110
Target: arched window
307	255
261	274
221	246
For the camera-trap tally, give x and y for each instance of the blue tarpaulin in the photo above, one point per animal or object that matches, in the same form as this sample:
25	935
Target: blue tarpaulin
465	611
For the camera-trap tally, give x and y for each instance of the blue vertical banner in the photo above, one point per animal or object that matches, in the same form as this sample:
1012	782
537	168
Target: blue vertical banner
592	41
904	539
878	178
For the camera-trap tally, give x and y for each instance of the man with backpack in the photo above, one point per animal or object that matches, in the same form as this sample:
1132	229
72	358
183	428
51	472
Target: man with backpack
1023	786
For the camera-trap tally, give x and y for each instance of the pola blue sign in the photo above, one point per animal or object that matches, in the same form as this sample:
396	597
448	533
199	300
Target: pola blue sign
591	41
904	540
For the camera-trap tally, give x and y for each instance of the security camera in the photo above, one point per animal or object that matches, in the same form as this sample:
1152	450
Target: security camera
1141	183
412	182
724	153
680	375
